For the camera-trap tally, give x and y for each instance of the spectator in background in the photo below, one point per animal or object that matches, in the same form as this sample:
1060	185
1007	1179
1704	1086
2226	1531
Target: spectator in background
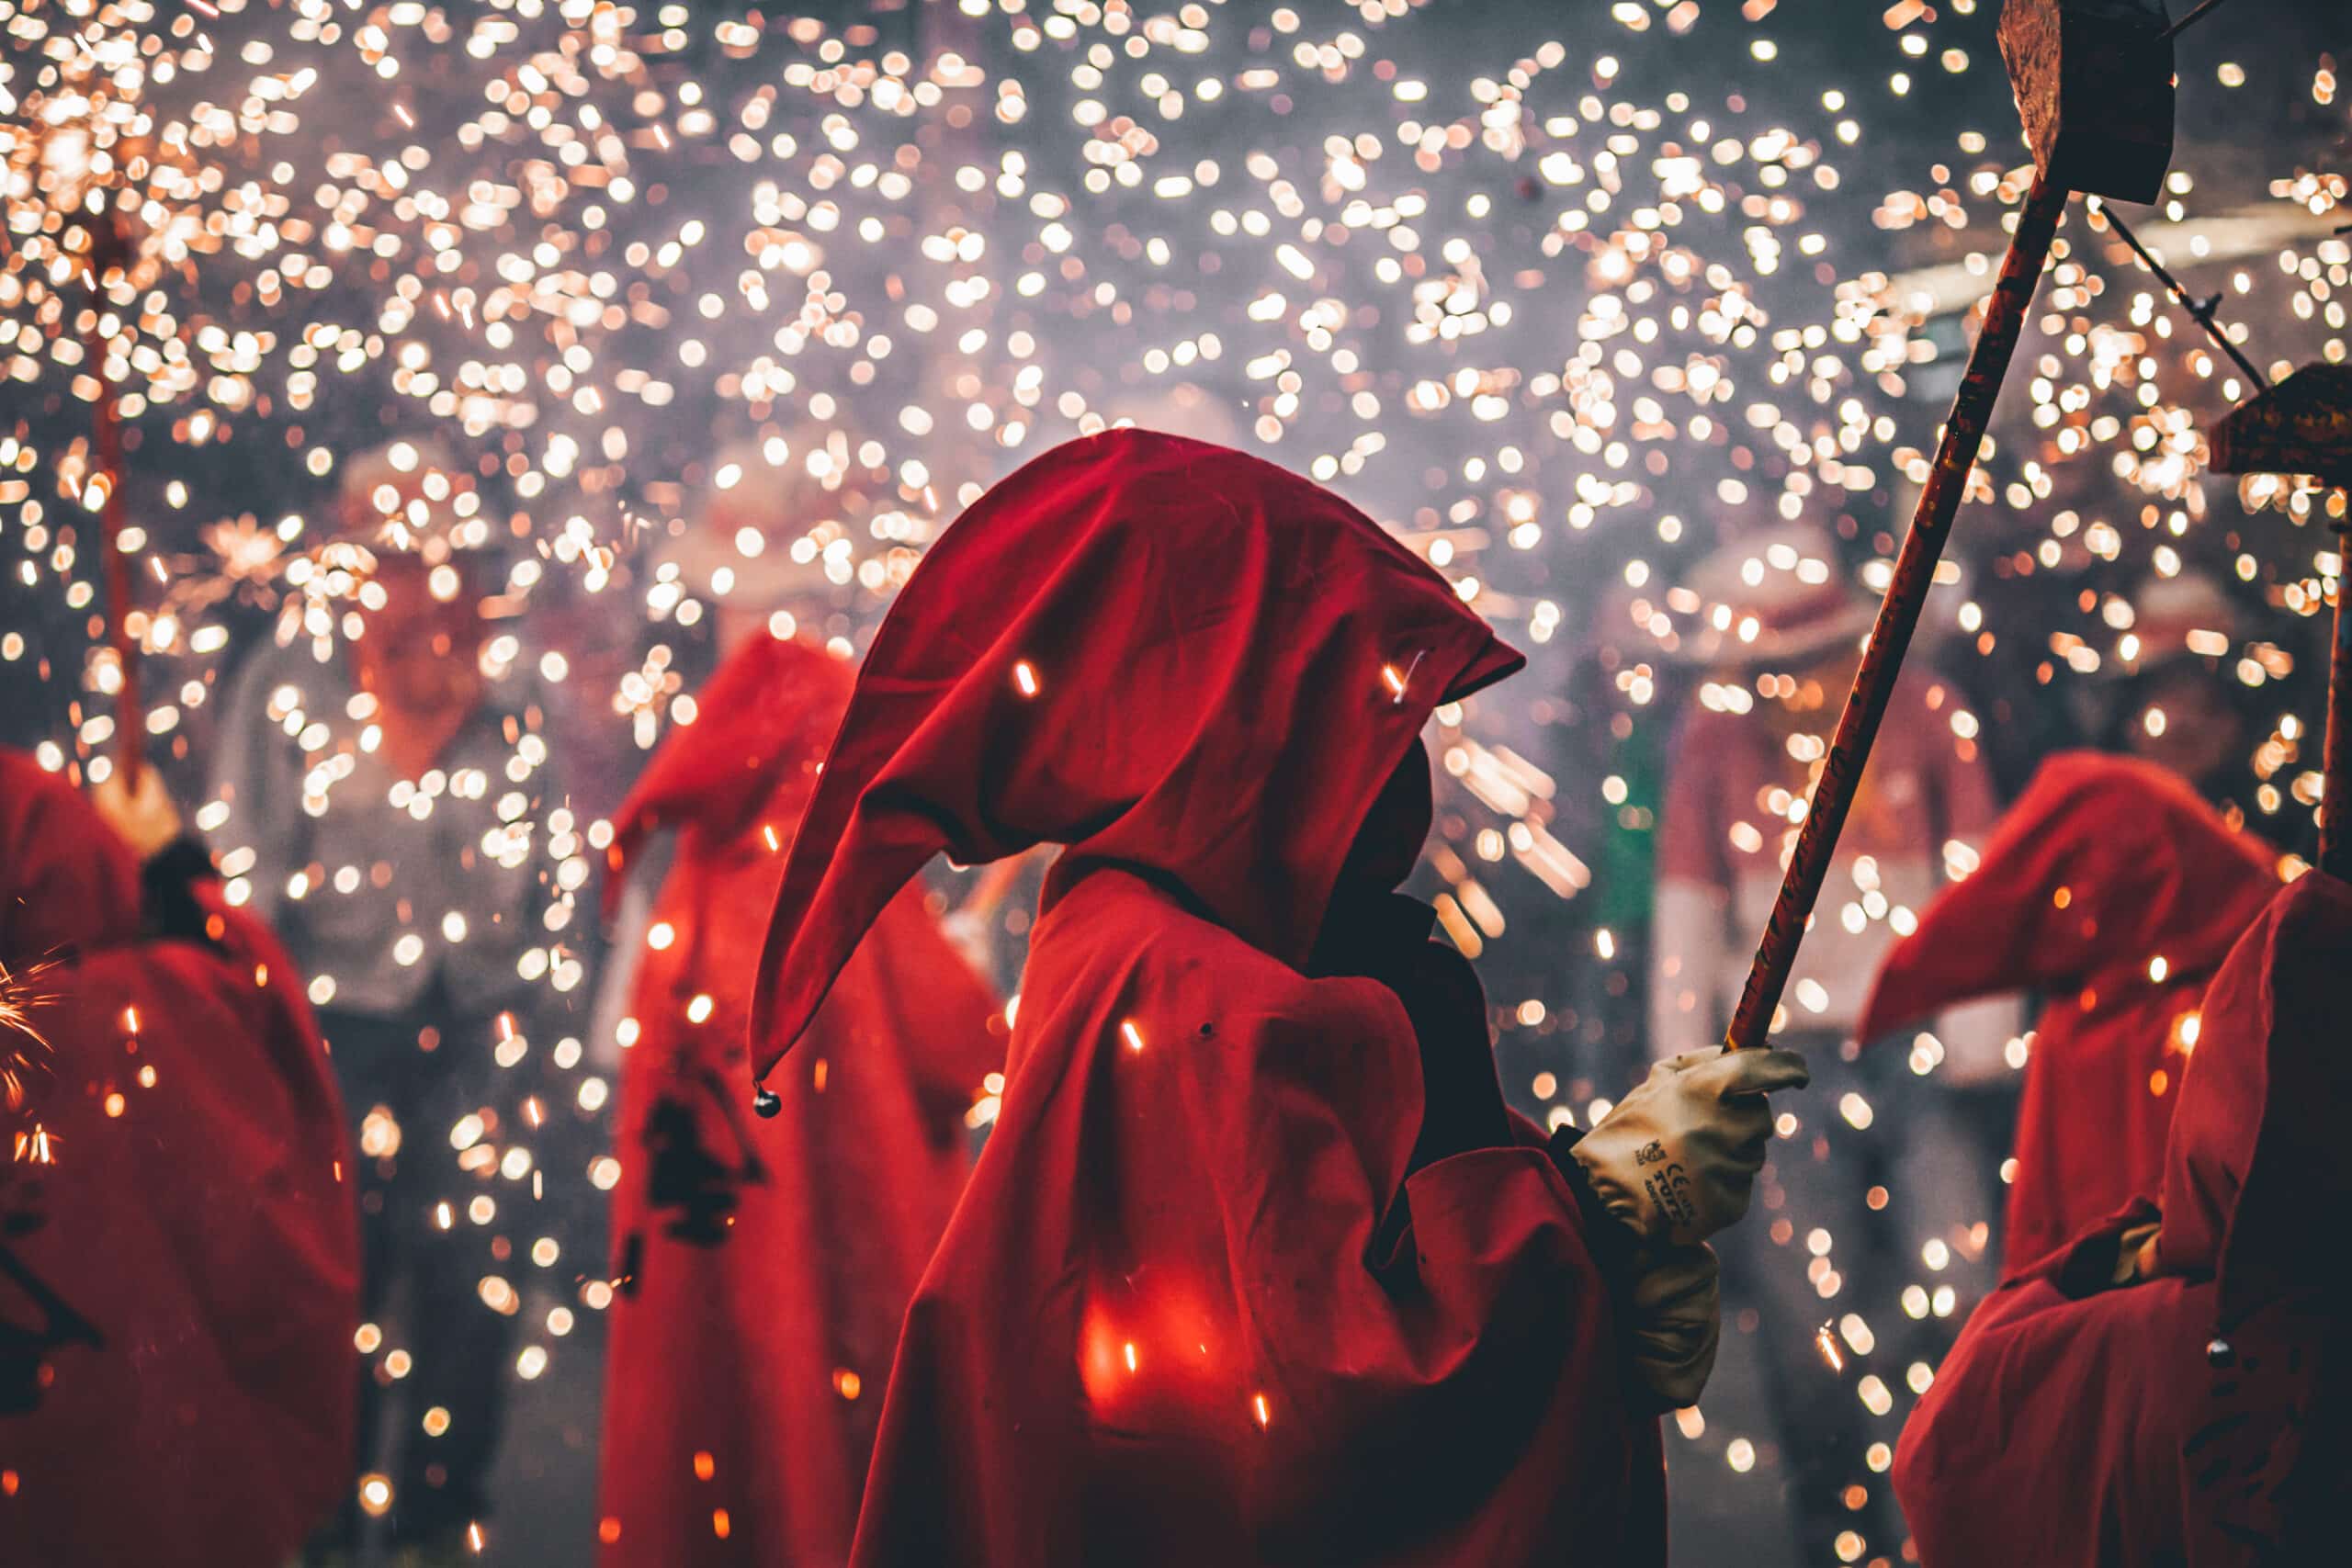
2176	707
592	616
764	1265
1619	739
1912	1171
2183	705
384	797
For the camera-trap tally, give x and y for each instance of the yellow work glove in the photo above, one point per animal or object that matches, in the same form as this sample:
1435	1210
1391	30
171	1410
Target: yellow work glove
1676	1160
143	818
2135	1254
1676	1317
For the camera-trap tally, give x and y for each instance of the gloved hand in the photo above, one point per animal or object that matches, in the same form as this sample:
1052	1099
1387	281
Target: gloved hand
2136	1253
143	818
1676	1318
1676	1159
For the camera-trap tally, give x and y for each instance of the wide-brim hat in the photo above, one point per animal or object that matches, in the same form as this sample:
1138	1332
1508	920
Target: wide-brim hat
413	495
1773	595
1181	409
2188	616
760	530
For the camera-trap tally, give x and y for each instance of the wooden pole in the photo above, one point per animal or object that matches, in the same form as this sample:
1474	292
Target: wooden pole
1898	614
130	715
2335	759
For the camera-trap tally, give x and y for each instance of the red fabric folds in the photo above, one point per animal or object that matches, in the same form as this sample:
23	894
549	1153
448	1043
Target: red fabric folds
2258	1150
2103	865
766	1265
2200	1418
178	1289
1204	1302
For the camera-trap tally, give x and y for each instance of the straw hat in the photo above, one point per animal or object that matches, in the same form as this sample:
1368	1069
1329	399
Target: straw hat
2189	615
758	534
1774	595
412	495
1181	409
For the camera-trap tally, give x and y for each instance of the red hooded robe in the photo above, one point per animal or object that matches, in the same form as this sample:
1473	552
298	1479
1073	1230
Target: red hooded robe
1203	1302
764	1266
178	1289
2202	1418
2102	866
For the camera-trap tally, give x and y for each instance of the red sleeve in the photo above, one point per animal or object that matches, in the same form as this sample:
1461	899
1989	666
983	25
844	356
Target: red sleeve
2053	1433
1691	824
1475	1340
1969	807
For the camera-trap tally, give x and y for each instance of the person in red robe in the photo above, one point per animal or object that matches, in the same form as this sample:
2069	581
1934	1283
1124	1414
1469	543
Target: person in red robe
763	1266
2114	890
179	1251
2174	1388
1256	1266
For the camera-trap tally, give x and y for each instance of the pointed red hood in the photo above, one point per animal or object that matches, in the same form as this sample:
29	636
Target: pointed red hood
2257	1155
66	881
760	720
1160	653
2102	865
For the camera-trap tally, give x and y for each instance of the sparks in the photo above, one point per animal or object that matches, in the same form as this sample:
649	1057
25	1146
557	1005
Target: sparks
1737	340
22	1044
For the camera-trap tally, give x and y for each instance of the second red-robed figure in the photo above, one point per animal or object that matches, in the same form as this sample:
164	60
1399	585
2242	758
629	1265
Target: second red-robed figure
763	1266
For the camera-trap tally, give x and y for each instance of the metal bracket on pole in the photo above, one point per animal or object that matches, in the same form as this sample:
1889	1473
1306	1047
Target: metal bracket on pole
2303	426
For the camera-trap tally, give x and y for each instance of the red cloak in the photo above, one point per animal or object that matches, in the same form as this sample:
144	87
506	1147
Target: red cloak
2102	866
179	1287
1200	1303
766	1265
2202	1418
